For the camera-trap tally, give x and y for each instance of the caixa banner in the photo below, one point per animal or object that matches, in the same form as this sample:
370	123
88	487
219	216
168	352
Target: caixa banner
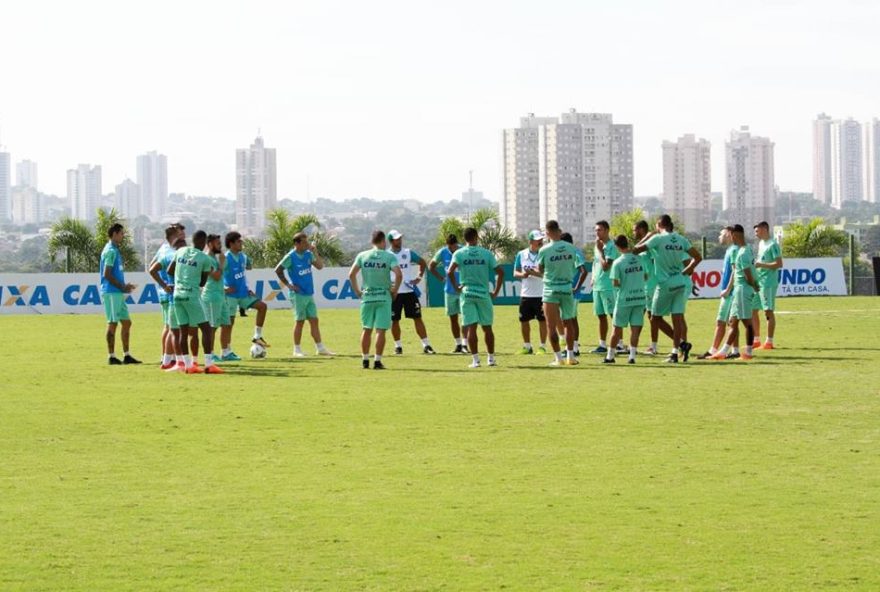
798	277
80	293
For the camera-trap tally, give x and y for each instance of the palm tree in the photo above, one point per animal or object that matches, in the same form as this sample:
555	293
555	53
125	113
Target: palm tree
106	219
281	229
75	240
493	236
623	222
813	239
255	249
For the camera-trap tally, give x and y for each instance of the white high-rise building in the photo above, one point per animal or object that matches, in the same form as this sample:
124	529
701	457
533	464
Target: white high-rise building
822	158
27	205
872	160
84	191
584	166
128	199
5	188
26	174
687	181
846	162
751	187
152	178
255	186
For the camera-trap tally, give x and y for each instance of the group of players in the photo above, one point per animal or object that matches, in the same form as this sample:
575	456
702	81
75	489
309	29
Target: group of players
203	287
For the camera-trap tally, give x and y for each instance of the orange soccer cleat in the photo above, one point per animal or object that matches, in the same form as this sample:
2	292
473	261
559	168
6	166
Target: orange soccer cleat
745	357
194	370
767	345
214	370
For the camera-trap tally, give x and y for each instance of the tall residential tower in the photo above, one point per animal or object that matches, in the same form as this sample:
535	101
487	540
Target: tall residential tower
687	181
751	190
255	186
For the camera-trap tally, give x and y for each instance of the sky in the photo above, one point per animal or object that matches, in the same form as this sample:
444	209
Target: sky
391	99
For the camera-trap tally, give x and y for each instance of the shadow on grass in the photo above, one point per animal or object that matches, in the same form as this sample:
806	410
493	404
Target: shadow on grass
256	371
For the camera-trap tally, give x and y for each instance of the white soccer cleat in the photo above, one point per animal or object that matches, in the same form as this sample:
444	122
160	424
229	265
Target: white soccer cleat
325	352
474	365
556	363
298	354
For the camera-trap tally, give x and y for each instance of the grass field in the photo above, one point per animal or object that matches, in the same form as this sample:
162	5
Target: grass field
316	475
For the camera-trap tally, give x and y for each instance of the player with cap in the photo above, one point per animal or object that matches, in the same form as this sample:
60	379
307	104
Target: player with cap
525	268
376	267
451	299
300	284
407	300
475	265
767	264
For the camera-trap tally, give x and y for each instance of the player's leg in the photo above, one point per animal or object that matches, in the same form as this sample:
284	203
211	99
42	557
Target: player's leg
261	309
768	304
526	314
110	335
455	328
396	315
208	346
380	321
542	333
576	332
194	343
616	337
551	313
413	310
380	349
634	334
771	328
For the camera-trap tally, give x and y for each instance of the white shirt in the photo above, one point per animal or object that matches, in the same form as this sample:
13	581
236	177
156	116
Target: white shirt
404	260
530	287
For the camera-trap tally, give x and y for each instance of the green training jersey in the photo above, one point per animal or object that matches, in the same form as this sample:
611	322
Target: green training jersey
601	277
648	264
745	259
768	252
213	290
376	266
666	249
476	269
629	271
559	260
189	264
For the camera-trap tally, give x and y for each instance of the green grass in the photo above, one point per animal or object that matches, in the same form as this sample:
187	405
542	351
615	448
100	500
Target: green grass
316	475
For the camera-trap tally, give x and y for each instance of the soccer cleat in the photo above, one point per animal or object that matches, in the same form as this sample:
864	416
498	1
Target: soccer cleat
298	354
114	361
214	370
377	365
607	361
756	344
577	353
325	352
685	350
459	349
525	351
621	349
231	357
260	341
168	366
718	356
732	356
557	362
398	350
650	352
745	357
178	367
491	363
428	350
474	365
464	349
365	364
130	360
631	361
767	345
542	350
194	370
672	359
600	350
705	356
571	362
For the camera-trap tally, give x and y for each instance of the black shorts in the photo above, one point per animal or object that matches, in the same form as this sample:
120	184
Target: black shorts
409	304
530	309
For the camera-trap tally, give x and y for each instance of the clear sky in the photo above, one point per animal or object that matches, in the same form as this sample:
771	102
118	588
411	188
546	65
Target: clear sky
392	99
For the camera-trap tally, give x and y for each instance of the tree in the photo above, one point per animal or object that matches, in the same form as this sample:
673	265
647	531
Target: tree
871	240
280	230
106	219
493	236
255	249
75	242
623	222
813	239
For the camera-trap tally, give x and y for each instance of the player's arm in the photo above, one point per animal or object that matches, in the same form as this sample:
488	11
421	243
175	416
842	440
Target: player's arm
775	264
695	260
518	271
499	281
398	279
108	275
317	260
279	271
422	268
604	261
432	267
452	278
750	279
155	268
642	245
216	274
581	279
204	279
352	279
729	287
615	282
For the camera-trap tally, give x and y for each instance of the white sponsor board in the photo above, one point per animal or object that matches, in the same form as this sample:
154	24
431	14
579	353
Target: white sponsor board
80	293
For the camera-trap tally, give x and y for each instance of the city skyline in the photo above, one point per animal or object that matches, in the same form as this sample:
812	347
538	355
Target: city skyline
323	79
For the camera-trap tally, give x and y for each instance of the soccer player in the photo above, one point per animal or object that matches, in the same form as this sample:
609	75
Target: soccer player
525	268
376	267
113	292
577	282
557	262
190	270
475	266
640	231
301	291
666	247
744	288
214	294
239	296
159	272
725	237
450	296
769	260
604	253
407	299
628	278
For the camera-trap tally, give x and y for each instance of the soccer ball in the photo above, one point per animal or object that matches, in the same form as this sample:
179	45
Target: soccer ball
258	352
